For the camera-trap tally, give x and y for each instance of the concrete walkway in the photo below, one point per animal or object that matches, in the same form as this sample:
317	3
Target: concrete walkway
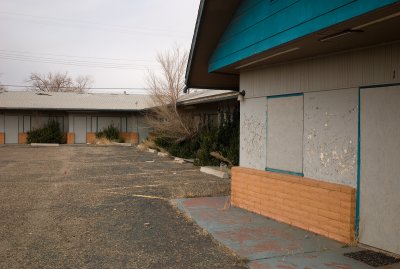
264	242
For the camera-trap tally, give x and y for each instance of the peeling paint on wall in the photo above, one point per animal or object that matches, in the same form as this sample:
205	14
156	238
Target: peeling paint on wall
254	137
330	136
253	133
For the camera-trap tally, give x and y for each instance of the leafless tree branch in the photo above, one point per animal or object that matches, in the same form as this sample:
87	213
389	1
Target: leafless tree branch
58	82
165	89
2	88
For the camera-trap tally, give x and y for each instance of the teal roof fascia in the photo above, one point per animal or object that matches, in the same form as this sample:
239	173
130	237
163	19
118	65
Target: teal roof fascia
260	25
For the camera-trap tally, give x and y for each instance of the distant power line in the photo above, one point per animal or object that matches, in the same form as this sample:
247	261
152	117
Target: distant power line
78	57
90	88
52	21
28	57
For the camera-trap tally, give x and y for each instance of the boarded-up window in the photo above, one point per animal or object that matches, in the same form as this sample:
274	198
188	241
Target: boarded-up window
104	122
285	133
60	120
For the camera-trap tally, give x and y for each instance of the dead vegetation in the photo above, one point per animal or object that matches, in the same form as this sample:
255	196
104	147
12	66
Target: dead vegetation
150	144
165	89
59	82
217	155
102	141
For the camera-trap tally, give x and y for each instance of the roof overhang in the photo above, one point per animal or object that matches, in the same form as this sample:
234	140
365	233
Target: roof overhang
377	27
374	28
212	19
210	99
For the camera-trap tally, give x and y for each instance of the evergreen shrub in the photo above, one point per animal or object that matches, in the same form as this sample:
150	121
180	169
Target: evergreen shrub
111	133
50	133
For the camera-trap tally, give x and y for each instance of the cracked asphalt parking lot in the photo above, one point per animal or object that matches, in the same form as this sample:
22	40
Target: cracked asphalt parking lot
102	207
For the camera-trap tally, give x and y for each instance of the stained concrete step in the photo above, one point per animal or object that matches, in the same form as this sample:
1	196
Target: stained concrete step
45	145
215	171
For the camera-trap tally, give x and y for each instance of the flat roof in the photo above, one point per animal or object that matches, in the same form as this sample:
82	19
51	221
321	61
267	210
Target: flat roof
73	101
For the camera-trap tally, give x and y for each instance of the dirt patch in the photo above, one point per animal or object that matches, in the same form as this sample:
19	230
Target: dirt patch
102	207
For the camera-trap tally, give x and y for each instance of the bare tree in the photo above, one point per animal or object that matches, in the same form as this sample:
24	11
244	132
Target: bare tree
83	83
165	89
58	82
2	88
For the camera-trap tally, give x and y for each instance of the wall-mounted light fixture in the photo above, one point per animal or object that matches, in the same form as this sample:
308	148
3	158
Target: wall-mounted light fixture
241	95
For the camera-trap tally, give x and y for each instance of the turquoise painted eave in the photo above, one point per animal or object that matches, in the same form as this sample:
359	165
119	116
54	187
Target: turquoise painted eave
260	25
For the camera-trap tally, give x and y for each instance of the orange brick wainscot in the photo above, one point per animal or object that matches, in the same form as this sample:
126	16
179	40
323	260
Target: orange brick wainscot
129	137
320	207
70	138
22	138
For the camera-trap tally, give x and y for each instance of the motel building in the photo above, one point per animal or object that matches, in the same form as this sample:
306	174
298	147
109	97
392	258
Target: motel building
319	85
80	115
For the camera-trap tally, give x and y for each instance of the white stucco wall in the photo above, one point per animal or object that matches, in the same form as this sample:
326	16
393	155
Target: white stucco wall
330	86
253	133
370	66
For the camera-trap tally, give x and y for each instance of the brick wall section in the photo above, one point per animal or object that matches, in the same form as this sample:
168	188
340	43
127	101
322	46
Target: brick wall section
70	138
2	138
130	137
323	208
22	138
90	138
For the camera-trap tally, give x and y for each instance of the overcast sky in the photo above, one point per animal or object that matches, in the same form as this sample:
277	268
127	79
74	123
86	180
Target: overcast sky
114	42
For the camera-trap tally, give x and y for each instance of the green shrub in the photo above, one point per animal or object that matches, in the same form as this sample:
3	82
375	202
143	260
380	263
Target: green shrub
50	133
111	133
208	138
184	149
224	139
99	134
163	142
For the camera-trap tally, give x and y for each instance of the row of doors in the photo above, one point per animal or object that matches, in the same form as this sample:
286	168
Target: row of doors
11	124
11	129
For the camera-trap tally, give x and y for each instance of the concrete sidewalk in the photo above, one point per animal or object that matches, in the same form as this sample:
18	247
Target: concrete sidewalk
264	242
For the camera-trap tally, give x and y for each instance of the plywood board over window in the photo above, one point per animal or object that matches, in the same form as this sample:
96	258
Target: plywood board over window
104	122
285	133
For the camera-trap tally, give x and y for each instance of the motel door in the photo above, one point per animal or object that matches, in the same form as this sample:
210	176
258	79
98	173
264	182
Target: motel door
380	168
80	129
11	129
